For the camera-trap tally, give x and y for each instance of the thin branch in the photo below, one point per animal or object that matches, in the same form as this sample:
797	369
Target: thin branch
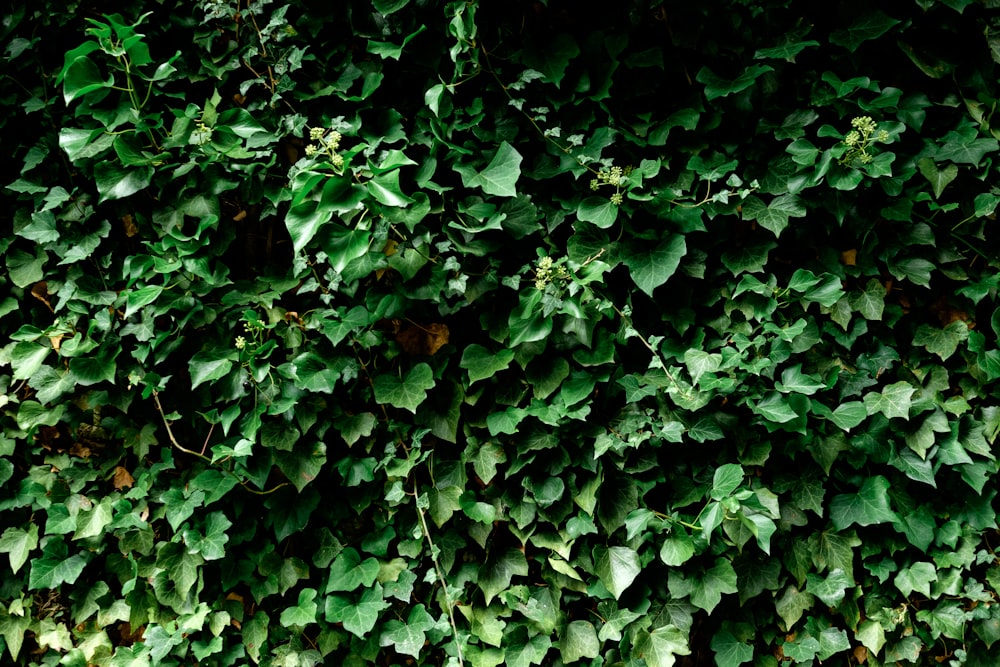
440	572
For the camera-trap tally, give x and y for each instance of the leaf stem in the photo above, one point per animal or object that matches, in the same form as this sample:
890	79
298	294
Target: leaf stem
440	572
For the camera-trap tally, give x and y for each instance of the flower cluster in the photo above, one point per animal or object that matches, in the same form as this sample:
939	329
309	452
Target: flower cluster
548	271
326	142
255	329
861	138
614	177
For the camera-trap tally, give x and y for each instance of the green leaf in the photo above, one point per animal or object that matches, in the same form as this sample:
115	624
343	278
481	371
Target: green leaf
407	393
348	571
793	380
255	634
917	577
661	647
115	182
677	548
721	578
26	358
848	415
938	178
651	266
868	507
55	566
18	545
775	408
408	638
385	189
92	522
893	401
729	651
830	589
599	211
867	26
699	362
716	86
483	364
207	366
617	567
358	618
303	613
500	176
871	302
727	478
871	634
792	604
80	75
499	569
942	342
579	640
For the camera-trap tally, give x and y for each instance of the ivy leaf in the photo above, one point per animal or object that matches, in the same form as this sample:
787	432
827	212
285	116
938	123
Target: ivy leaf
893	401
579	640
774	217
942	342
115	182
617	567
661	647
830	589
18	544
917	577
729	651
651	266
358	618
718	580
408	638
597	210
255	634
303	613
866	27
699	362
775	408
868	507
793	380
348	571
483	364
500	176
55	566
871	634
716	86
207	366
792	604
496	573
848	415
938	178
871	302
407	393
677	548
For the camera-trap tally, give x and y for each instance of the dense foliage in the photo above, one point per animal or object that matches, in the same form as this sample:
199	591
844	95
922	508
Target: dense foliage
453	333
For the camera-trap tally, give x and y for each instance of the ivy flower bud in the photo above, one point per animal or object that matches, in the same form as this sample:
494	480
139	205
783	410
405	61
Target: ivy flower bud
616	198
241	342
316	133
311	150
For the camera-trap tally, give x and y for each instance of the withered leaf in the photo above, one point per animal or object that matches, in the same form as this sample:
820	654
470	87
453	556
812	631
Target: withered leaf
422	339
122	479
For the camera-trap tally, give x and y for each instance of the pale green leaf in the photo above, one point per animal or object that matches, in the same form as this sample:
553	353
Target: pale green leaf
867	507
651	266
617	567
406	393
500	176
893	401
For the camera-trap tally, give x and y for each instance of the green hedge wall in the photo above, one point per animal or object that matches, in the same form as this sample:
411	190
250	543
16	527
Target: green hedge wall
407	332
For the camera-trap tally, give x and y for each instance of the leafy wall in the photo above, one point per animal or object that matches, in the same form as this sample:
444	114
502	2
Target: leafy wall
438	333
